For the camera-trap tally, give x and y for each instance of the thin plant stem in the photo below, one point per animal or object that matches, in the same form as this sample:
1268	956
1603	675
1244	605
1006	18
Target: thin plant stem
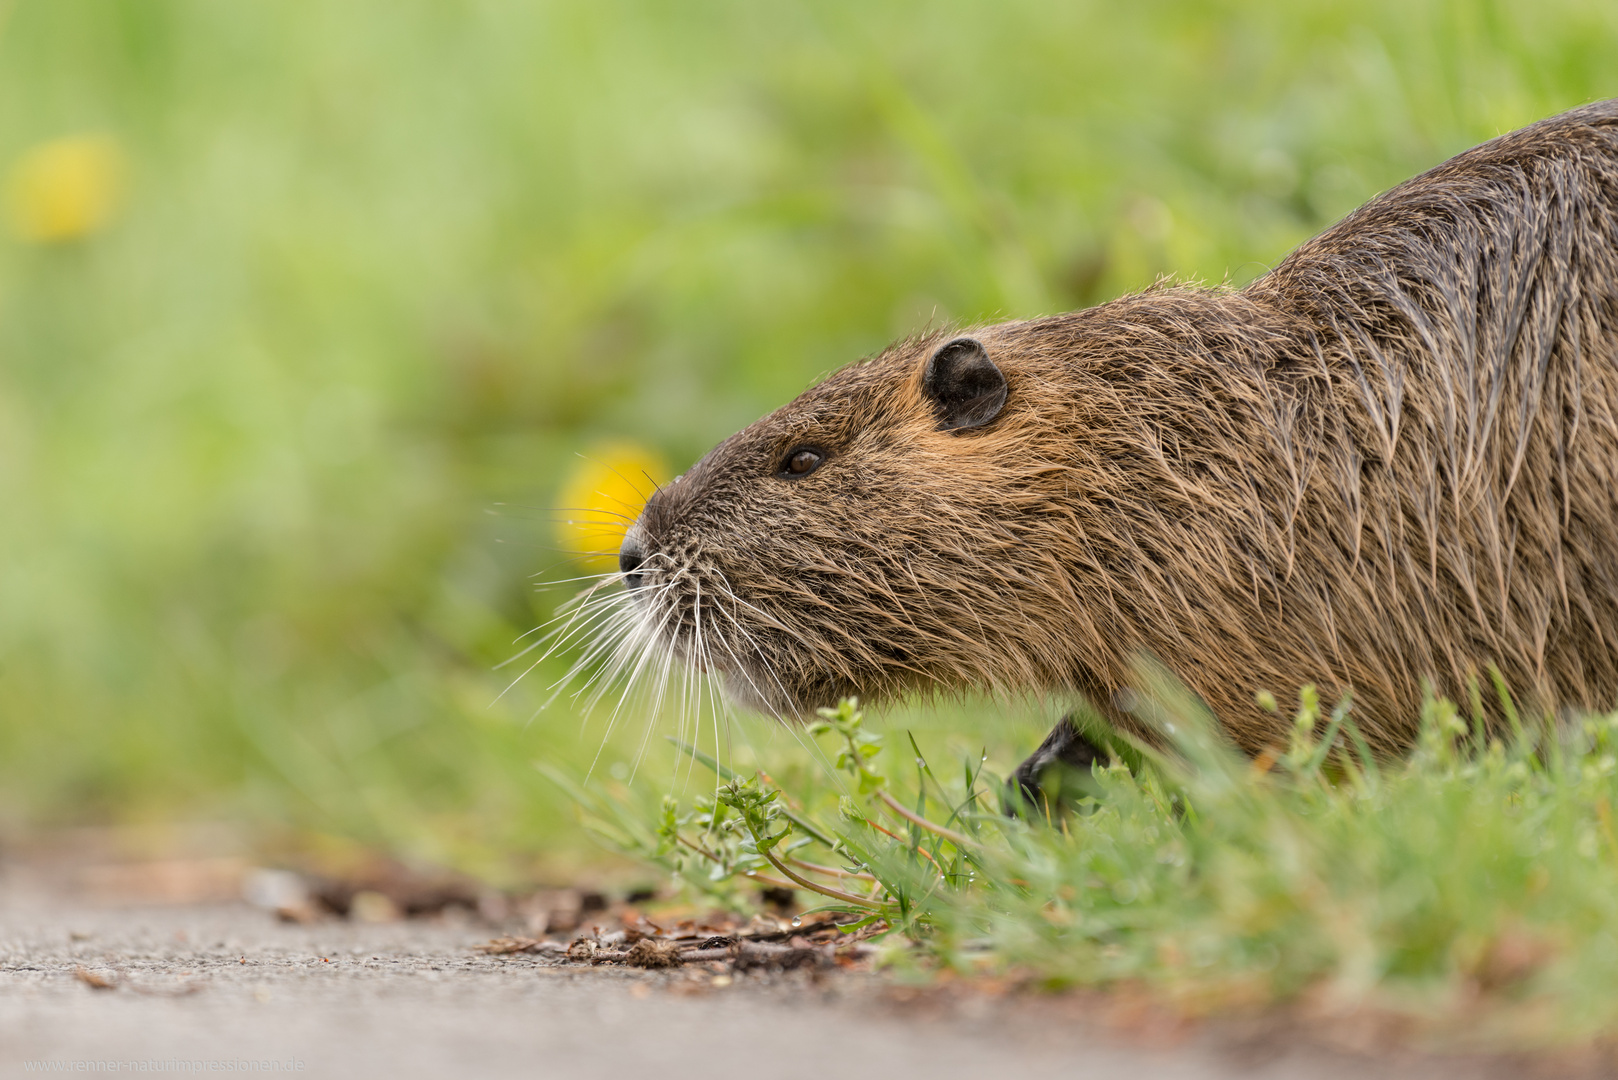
896	838
772	882
699	849
817	868
766	879
958	839
824	890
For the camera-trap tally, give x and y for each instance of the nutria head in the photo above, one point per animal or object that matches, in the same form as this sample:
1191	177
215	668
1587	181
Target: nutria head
822	551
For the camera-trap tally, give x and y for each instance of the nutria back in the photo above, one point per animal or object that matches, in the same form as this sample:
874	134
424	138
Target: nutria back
1391	462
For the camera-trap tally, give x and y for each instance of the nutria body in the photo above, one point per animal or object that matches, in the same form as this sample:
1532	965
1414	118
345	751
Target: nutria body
1391	461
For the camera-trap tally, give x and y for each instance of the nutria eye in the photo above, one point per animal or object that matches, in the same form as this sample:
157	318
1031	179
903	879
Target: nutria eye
801	462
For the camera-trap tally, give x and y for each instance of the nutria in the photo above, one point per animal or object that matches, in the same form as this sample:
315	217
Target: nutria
1389	464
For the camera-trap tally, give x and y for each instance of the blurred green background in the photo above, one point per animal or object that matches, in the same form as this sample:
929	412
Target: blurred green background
308	311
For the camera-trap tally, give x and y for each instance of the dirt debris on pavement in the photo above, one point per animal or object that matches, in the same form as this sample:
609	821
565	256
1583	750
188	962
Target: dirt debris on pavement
758	943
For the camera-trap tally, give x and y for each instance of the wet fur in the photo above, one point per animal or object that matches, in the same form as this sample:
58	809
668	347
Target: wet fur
1393	460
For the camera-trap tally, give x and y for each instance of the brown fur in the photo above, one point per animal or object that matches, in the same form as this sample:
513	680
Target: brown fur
1391	461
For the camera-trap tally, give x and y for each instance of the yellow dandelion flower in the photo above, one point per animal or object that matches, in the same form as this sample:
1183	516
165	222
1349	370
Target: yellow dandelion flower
65	189
600	498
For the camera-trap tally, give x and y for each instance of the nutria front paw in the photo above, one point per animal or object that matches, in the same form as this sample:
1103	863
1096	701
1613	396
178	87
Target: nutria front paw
1037	785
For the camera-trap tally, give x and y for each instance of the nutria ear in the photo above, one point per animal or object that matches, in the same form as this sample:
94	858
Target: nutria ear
965	387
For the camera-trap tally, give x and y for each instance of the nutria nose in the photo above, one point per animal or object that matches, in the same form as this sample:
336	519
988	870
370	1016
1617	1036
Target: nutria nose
630	557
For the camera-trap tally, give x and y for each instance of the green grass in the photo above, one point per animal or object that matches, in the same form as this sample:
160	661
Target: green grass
1472	889
280	443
